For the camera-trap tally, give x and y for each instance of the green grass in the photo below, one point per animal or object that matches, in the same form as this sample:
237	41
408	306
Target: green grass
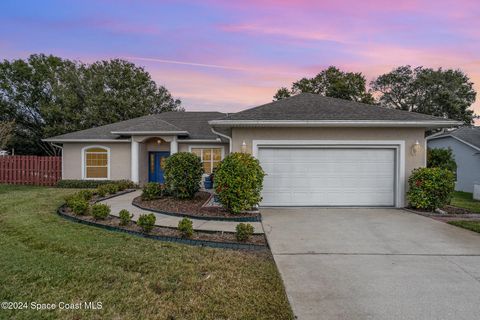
465	200
470	225
47	259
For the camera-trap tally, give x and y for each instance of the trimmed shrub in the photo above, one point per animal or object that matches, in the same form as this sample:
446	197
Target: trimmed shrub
152	190
430	188
102	191
183	173
146	222
90	184
85	194
239	182
111	188
78	205
244	231
100	211
441	158
125	184
185	226
125	217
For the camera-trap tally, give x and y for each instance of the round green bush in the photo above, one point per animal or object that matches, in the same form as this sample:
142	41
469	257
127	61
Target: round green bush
85	194
100	211
125	217
146	222
185	226
244	231
430	188
78	205
152	190
239	182
183	174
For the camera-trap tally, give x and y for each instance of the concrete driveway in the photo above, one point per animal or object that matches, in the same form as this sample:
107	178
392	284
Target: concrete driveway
374	264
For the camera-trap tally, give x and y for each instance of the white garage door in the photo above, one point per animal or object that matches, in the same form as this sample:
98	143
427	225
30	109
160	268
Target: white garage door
328	176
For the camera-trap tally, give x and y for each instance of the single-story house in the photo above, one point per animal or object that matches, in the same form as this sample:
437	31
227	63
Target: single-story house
316	151
465	145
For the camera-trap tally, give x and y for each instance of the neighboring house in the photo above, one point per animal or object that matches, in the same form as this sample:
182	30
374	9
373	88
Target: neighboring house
316	151
3	153
465	145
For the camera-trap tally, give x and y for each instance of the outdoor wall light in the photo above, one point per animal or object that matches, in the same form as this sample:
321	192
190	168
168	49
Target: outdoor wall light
415	148
244	147
159	141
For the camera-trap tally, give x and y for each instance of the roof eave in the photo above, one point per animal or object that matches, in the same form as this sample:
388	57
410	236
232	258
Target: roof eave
142	133
334	123
84	140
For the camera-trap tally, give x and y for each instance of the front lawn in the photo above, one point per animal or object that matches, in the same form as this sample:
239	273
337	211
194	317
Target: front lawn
46	259
465	200
470	225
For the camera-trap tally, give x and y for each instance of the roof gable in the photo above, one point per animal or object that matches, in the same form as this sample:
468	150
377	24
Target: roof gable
467	135
308	107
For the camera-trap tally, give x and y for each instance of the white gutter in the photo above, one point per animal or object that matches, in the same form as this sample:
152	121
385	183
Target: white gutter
230	147
198	140
142	133
85	140
332	123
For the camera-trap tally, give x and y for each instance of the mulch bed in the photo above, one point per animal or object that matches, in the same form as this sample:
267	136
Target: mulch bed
452	213
191	207
228	237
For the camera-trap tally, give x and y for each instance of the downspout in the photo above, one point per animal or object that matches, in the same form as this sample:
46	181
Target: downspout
224	136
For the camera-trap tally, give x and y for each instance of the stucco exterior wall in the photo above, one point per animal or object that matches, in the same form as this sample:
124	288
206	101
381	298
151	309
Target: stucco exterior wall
467	159
409	135
119	160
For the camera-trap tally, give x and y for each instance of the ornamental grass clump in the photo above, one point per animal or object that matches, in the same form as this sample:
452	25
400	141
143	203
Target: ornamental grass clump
239	182
183	173
430	188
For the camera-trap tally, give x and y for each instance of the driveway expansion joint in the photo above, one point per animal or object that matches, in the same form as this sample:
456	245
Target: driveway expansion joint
373	254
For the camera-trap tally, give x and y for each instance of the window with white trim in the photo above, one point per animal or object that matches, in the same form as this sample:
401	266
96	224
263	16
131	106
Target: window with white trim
210	157
96	163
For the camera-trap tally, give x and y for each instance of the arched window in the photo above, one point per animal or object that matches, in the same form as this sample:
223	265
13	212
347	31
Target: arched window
96	162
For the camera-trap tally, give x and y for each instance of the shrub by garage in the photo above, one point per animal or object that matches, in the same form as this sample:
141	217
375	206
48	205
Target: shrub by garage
183	173
239	182
430	188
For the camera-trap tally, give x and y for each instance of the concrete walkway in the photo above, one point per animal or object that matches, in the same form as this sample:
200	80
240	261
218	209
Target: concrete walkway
374	264
125	202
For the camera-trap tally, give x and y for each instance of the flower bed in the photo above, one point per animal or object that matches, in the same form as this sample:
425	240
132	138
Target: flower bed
202	238
193	208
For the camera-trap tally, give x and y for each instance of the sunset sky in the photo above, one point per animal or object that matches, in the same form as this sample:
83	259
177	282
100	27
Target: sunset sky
230	55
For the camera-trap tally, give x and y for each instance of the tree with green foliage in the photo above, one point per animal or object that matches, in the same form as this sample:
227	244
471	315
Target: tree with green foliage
331	82
441	158
443	93
47	96
6	132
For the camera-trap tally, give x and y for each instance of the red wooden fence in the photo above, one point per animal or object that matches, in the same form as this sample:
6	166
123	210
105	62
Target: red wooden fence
41	171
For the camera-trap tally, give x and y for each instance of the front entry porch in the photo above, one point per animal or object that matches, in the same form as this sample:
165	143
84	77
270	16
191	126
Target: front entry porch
148	154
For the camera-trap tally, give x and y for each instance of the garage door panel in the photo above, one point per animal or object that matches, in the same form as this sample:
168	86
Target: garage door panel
328	177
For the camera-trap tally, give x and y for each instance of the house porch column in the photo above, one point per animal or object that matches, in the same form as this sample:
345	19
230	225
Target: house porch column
134	161
174	145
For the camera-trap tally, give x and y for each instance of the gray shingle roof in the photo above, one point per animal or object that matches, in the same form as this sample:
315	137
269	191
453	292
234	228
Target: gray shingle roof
470	135
308	106
195	123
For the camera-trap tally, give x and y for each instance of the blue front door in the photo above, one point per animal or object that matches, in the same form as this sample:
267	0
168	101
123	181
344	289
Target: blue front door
155	161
